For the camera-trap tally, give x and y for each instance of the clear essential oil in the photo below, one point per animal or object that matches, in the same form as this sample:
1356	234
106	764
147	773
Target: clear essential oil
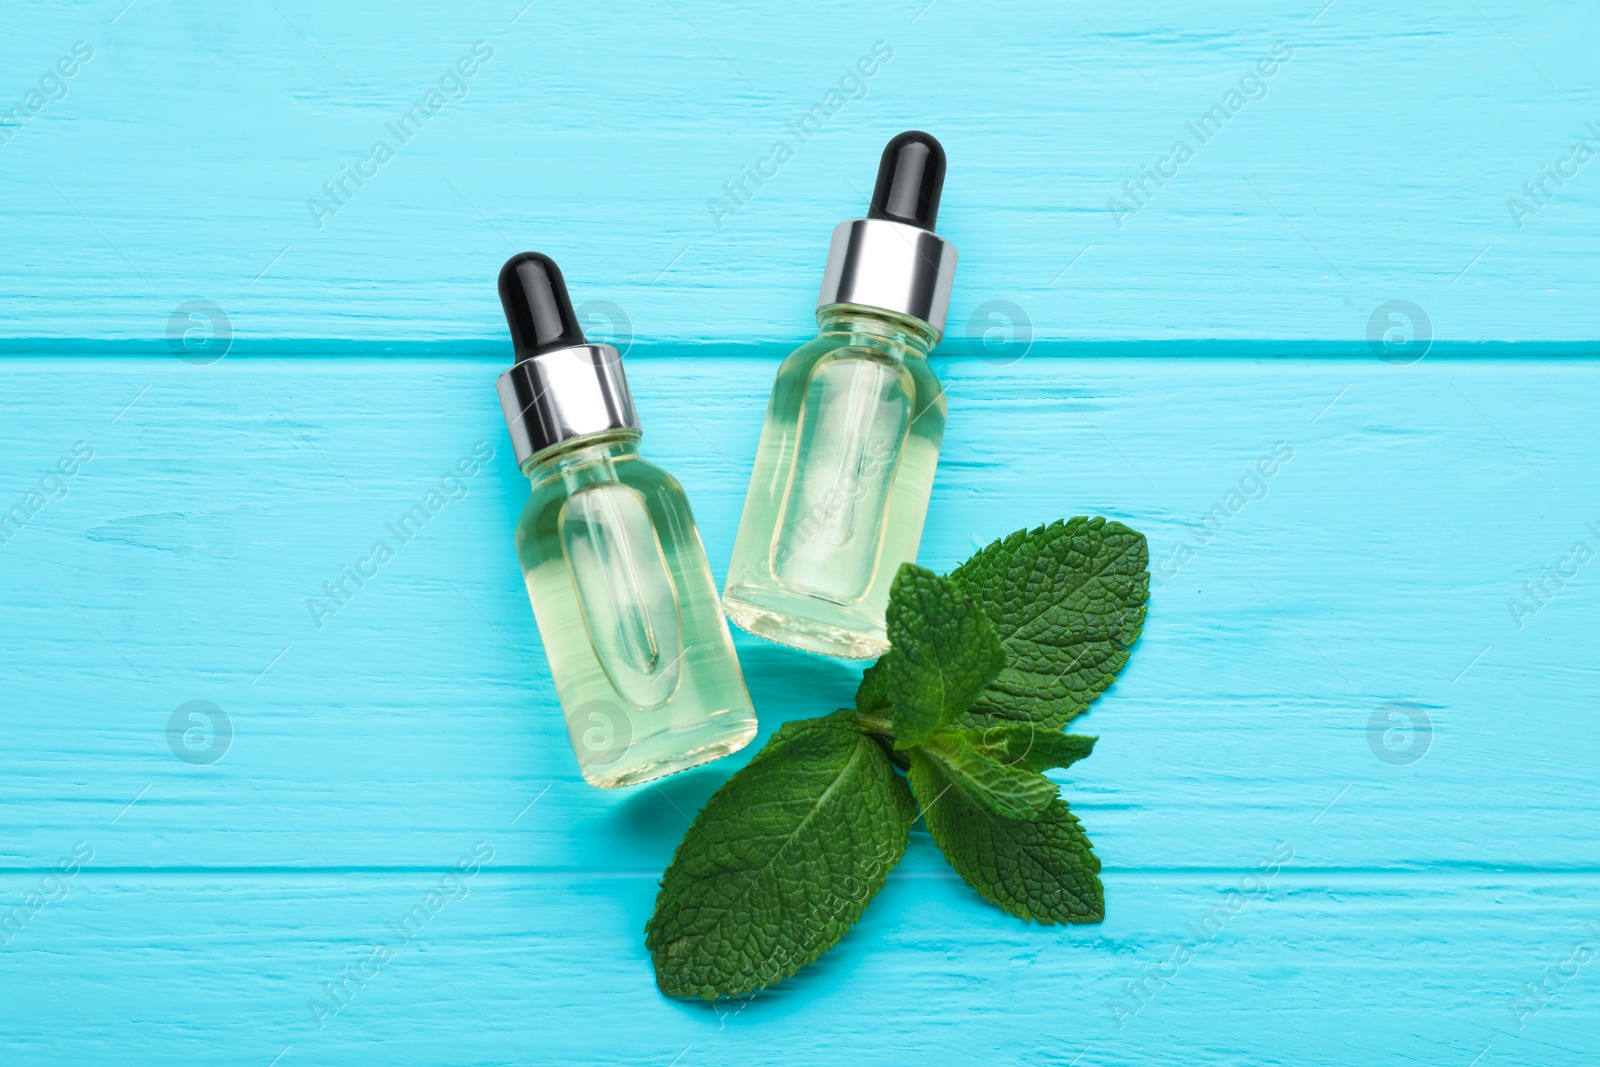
841	484
626	605
845	466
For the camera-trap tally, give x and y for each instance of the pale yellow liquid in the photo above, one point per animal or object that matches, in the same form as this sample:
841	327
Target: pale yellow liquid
640	654
840	487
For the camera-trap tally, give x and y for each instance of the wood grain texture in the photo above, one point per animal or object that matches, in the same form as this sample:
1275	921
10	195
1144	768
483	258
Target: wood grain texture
369	755
1377	165
1373	574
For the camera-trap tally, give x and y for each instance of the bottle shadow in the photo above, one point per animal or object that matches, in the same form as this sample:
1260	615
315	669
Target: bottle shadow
659	812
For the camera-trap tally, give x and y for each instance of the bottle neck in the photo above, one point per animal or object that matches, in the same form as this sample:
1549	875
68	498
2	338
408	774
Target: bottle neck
907	330
581	451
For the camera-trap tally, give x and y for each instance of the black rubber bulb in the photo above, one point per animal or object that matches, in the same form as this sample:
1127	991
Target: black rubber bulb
910	178
538	309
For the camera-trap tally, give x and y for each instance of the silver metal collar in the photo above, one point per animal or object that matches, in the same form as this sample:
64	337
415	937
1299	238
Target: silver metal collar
890	265
566	393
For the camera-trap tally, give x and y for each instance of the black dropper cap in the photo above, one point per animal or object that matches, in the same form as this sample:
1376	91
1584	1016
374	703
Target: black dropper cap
910	178
538	309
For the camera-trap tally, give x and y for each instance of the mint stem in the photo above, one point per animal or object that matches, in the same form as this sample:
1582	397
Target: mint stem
875	724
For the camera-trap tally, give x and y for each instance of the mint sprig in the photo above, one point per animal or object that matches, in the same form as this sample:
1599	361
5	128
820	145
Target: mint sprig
985	667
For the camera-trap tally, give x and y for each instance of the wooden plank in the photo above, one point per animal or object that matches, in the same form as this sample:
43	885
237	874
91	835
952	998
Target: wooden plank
1375	164
1321	966
1377	569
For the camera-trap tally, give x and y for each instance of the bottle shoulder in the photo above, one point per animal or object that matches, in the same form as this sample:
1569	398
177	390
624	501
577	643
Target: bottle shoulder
550	489
851	344
826	356
563	477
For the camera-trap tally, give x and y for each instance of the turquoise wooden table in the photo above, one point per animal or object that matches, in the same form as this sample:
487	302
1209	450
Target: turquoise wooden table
239	338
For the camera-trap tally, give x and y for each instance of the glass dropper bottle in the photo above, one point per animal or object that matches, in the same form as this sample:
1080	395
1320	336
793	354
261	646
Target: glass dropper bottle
845	466
639	651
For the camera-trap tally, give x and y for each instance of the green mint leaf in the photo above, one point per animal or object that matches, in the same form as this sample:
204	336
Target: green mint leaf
1043	868
942	652
872	695
780	862
1067	600
1034	748
1005	789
